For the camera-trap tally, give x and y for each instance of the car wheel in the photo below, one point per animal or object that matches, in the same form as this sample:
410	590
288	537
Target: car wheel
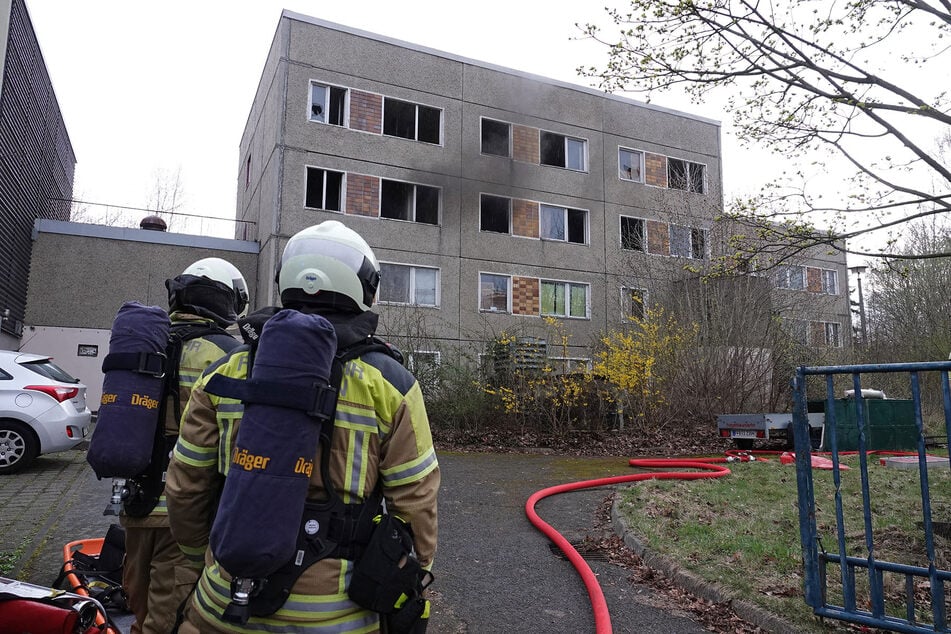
18	446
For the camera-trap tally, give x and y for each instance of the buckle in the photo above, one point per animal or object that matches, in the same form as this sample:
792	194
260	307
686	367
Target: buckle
324	404
152	363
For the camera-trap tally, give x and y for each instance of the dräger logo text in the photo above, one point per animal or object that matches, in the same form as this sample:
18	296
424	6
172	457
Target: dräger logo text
248	461
145	401
107	399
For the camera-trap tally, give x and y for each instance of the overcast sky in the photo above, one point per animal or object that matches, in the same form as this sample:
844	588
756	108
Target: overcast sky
153	87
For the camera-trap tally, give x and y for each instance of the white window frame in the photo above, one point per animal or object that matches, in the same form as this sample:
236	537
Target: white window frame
345	123
831	334
414	206
510	219
416	105
830	281
482	121
571	364
627	303
689	166
436	355
566	138
412	290
566	211
640	166
508	293
568	285
785	276
323	195
643	222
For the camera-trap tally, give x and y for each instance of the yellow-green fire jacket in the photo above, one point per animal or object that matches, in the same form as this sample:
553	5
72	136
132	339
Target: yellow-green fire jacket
381	435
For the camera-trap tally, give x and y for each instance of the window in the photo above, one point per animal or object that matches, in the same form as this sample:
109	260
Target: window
798	331
830	282
791	277
496	138
247	173
405	284
424	364
562	151
632	234
495	214
685	175
560	223
633	302
410	120
830	331
687	242
564	299
567	365
630	165
328	104
407	201
494	292
324	189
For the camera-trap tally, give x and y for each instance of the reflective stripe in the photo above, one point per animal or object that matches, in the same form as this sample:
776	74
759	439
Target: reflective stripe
193	455
410	471
354	420
193	554
230	407
161	508
225	443
335	614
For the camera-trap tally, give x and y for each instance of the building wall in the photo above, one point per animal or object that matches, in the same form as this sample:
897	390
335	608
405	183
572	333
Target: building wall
36	172
373	68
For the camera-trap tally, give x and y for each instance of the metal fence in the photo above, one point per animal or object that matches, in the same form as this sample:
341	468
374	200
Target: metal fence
846	575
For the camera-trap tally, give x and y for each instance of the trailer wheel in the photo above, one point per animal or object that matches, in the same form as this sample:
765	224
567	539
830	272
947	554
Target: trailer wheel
743	443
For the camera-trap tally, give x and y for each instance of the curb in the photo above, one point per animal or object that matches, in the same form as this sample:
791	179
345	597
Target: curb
692	583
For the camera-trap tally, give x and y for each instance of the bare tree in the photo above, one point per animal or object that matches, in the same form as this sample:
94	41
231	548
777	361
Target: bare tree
812	80
166	195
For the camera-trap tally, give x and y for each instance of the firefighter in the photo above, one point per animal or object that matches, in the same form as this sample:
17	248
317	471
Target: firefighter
380	441
206	298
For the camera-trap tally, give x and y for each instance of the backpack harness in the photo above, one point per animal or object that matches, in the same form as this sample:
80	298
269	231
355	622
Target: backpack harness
140	494
328	528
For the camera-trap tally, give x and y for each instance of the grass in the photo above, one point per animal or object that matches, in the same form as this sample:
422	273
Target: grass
742	530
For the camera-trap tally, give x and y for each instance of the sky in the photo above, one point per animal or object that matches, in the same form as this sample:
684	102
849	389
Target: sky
151	89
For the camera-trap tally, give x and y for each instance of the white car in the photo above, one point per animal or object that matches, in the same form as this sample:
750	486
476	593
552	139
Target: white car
42	409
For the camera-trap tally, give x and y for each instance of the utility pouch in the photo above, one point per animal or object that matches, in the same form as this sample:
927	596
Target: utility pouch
388	578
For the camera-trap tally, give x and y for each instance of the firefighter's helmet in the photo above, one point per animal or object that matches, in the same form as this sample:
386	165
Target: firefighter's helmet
328	265
210	287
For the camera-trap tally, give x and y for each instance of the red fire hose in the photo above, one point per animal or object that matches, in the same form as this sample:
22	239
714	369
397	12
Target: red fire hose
602	619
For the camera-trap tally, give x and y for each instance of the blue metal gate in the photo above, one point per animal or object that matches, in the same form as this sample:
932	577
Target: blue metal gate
853	584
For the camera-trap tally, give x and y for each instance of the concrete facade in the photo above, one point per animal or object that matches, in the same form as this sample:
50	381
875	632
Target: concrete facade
286	142
373	76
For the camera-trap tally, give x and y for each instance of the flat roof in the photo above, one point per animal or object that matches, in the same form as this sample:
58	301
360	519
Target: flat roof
300	17
133	234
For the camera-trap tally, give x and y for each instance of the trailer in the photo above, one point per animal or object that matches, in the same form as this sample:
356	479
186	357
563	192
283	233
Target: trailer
745	429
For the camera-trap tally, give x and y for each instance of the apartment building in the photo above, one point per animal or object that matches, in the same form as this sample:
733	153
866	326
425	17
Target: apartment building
493	198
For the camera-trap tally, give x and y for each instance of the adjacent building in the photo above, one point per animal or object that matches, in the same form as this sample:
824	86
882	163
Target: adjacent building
36	160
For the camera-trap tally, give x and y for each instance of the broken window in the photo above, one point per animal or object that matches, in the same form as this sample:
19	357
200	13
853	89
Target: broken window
791	276
494	292
685	175
564	299
496	138
560	223
408	201
830	282
631	165
830	331
411	121
495	213
323	189
328	104
561	151
687	242
405	284
632	234
698	244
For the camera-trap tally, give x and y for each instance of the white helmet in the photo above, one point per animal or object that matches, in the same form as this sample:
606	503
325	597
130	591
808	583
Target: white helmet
210	287
329	265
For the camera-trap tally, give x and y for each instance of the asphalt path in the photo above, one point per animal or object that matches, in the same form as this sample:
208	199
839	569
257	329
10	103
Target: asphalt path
495	573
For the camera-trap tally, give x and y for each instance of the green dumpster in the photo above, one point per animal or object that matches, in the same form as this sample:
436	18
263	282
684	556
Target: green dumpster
889	424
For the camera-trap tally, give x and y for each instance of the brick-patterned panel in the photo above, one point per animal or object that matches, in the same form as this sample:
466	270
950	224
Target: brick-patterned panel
525	218
817	333
658	237
366	112
363	195
525	299
813	279
525	143
655	168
